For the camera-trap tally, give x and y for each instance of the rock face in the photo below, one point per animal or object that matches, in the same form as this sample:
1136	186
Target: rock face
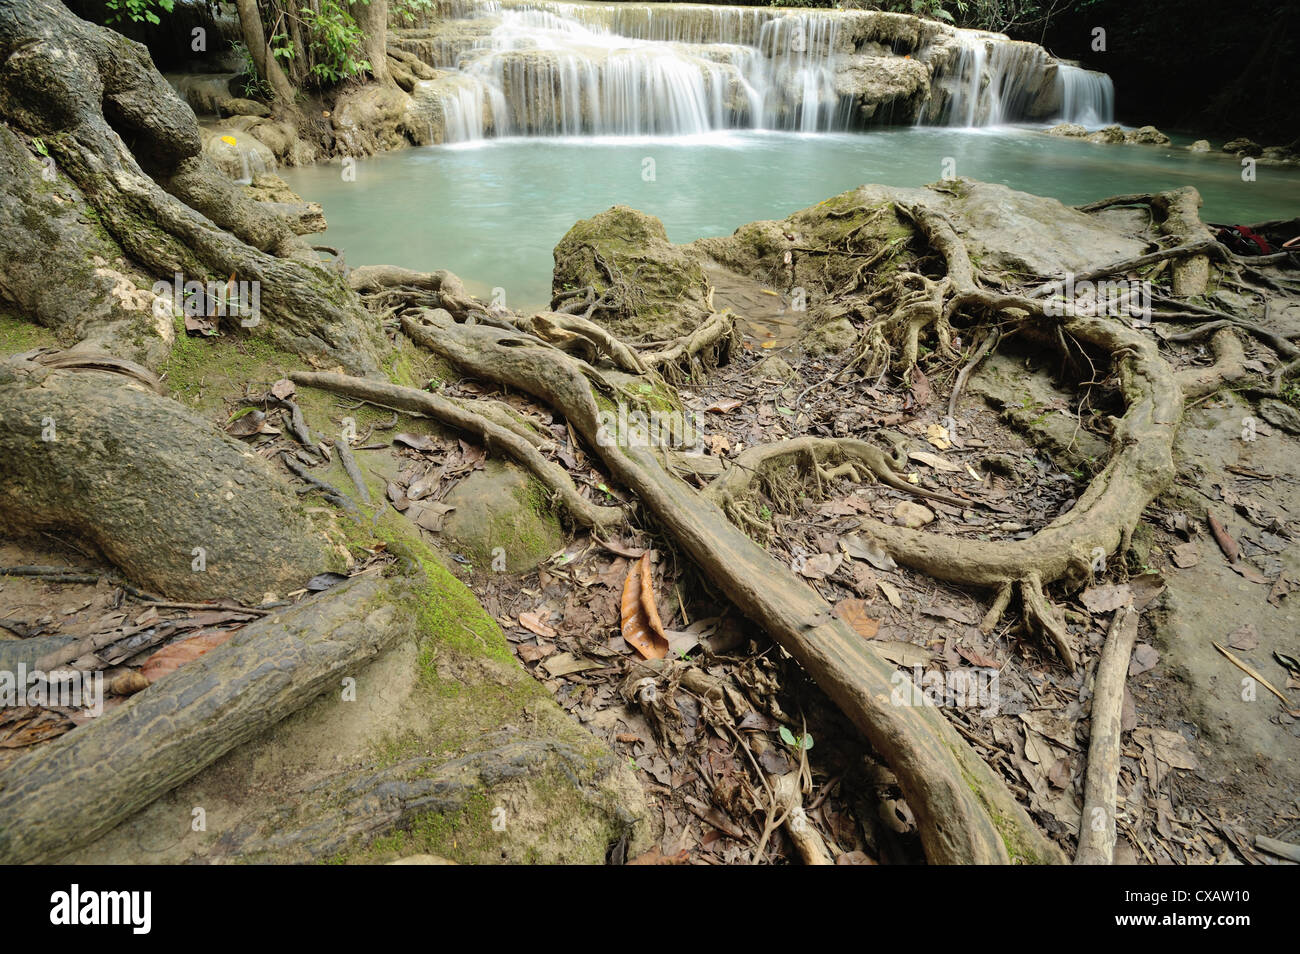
654	289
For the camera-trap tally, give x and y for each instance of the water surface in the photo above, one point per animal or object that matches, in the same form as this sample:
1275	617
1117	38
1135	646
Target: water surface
493	211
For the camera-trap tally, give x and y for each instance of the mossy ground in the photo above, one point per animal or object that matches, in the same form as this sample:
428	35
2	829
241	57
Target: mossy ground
18	335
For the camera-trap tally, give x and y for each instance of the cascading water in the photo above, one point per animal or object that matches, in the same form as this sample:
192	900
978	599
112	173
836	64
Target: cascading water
534	67
561	72
1087	97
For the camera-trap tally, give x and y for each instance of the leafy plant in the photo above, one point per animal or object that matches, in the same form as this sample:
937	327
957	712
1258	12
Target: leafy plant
408	9
254	87
136	10
800	744
335	41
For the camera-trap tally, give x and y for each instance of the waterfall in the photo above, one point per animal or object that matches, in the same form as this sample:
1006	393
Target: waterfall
1087	97
990	81
548	68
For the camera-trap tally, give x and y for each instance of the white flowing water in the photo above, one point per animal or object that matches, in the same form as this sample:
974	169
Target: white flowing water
569	69
1087	97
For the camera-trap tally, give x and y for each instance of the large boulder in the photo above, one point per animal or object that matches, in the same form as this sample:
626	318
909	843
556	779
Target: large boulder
654	289
883	88
1147	135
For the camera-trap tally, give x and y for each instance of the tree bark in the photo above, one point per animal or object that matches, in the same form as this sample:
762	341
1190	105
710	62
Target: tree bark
68	792
250	21
181	508
372	17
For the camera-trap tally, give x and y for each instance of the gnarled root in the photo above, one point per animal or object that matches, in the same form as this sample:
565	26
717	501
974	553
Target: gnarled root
965	814
831	457
554	477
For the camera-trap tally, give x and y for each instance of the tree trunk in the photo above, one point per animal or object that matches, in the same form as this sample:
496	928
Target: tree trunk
250	21
372	17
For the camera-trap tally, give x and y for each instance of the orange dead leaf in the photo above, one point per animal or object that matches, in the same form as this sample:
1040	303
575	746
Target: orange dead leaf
854	612
534	623
170	658
656	857
641	625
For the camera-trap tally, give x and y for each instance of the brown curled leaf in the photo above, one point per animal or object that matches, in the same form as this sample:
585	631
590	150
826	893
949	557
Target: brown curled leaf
642	628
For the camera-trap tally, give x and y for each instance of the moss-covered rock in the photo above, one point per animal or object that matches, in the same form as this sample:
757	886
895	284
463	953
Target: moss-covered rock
501	512
656	289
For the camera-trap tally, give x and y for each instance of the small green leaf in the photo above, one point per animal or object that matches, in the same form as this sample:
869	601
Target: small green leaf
787	736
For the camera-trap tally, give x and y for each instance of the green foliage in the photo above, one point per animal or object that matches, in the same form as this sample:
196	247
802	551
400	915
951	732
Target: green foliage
335	41
803	742
407	10
254	87
136	10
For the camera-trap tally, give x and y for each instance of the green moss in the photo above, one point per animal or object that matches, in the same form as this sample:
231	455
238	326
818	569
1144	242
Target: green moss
18	335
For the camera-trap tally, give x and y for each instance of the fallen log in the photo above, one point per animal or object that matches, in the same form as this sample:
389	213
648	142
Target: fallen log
1097	826
71	790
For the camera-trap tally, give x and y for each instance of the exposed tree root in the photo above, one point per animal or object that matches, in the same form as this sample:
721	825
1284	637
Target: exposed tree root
965	814
182	508
857	460
705	348
554	477
85	90
1097	827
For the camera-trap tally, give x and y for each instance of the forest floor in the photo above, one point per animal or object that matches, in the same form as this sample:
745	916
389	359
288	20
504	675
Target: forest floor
1204	770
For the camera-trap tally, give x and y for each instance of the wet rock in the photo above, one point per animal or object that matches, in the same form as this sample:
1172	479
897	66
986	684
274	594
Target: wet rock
307	217
204	91
1201	145
371	119
1070	130
1148	135
1243	147
1107	134
239	155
